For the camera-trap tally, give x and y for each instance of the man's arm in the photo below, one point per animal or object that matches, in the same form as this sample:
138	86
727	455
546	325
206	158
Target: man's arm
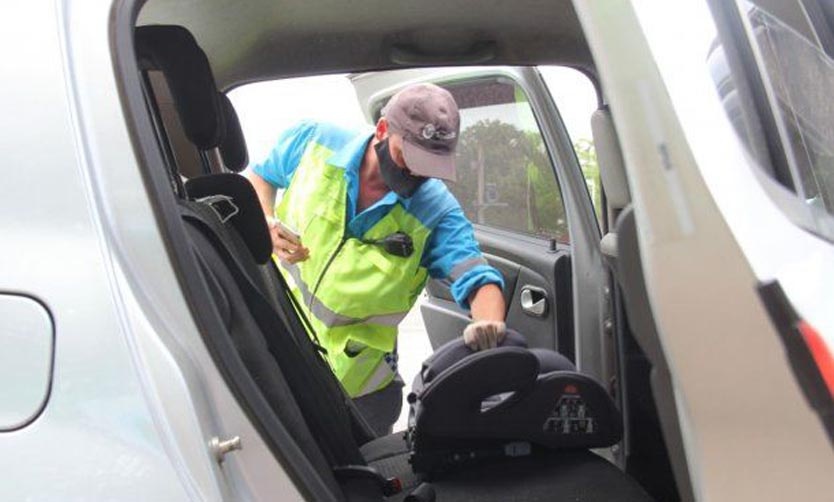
452	253
266	192
487	328
487	303
285	246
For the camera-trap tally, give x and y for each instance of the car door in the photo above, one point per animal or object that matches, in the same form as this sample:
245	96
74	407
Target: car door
520	185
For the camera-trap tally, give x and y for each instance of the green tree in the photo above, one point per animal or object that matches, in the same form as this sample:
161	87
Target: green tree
505	180
587	155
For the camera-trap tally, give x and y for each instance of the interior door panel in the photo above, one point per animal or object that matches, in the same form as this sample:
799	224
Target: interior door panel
526	264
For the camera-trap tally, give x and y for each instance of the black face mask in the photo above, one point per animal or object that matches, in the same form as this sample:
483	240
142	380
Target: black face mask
397	179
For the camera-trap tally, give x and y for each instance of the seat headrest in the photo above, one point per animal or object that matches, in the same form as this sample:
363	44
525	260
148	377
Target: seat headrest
233	147
610	157
249	220
174	51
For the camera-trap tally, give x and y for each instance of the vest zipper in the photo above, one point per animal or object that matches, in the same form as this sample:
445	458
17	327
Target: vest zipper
324	271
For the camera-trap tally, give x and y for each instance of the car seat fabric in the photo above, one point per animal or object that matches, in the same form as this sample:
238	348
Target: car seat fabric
455	350
546	475
232	197
233	147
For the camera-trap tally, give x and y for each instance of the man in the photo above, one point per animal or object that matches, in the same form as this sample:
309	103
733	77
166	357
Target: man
362	225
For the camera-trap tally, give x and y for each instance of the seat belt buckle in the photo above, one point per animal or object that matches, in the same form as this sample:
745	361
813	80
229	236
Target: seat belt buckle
388	486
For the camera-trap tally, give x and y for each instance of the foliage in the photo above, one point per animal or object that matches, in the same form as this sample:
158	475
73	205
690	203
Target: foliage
587	156
505	180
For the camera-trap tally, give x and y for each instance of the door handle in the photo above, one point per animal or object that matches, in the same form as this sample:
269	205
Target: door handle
534	301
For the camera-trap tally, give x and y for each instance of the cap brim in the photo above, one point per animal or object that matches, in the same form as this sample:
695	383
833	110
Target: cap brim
429	164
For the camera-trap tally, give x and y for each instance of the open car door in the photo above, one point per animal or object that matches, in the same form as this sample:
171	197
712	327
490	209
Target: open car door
521	186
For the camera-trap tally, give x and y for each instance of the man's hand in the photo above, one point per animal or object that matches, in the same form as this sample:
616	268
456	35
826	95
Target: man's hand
481	335
487	328
286	246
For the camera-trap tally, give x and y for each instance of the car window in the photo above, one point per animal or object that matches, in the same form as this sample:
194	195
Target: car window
266	109
505	177
576	99
777	94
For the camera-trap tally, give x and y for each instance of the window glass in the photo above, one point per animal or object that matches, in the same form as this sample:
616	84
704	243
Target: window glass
783	112
801	78
576	98
266	109
505	178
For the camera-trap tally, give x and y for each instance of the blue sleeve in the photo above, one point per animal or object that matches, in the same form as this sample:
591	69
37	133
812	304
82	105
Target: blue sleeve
280	164
452	254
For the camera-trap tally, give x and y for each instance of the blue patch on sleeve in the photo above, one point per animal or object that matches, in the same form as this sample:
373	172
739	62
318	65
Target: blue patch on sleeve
280	164
473	279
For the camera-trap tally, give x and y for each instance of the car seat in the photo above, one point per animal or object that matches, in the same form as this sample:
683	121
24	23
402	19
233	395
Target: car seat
469	406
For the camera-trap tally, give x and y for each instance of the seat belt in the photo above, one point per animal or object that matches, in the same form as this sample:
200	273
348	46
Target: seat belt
317	398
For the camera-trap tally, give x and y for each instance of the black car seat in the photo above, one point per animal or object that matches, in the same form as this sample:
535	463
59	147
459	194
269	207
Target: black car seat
230	242
469	406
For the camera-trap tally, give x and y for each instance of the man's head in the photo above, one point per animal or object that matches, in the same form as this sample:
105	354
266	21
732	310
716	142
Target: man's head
422	125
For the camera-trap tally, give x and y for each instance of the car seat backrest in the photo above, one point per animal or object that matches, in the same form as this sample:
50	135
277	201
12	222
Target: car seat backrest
612	173
232	247
641	320
233	199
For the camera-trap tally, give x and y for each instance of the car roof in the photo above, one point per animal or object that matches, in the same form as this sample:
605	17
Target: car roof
268	39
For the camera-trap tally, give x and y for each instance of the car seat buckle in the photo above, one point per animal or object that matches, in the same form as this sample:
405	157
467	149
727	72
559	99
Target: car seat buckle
388	486
222	205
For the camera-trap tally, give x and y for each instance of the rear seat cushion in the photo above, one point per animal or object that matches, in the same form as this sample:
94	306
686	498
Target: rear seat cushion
566	475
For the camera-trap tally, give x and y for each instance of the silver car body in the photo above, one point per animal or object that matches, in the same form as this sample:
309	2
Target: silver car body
122	401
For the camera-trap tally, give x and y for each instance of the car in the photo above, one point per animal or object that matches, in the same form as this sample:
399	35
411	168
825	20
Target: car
144	360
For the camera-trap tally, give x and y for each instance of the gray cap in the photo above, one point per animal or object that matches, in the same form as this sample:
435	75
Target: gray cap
427	118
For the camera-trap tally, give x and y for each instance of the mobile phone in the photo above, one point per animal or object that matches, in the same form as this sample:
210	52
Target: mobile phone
288	230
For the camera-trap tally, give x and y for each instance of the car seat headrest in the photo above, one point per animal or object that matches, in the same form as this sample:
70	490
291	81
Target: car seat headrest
174	51
244	212
233	147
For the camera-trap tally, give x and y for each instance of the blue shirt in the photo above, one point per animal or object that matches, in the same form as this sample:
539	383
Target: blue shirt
451	252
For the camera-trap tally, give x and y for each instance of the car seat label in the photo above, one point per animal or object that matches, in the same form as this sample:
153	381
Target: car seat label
570	416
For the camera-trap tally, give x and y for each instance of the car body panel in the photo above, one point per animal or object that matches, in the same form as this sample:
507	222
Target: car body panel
731	377
136	397
27	337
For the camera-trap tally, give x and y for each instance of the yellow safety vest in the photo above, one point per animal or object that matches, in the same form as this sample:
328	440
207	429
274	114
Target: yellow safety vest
354	293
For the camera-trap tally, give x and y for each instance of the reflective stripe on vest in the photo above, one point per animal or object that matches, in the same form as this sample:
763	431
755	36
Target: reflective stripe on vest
330	318
350	290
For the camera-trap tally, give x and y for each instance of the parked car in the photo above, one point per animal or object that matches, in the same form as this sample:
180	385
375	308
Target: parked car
136	362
